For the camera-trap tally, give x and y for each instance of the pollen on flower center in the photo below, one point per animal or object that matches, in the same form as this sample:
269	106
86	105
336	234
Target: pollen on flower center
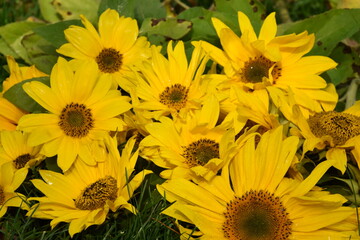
109	60
2	196
21	160
340	126
175	96
257	215
76	120
96	194
255	69
200	152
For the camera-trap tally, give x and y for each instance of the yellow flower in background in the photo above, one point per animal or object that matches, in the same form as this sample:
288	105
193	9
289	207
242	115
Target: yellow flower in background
84	195
253	63
171	85
253	200
9	113
19	74
10	180
193	149
15	149
246	111
81	114
115	47
335	132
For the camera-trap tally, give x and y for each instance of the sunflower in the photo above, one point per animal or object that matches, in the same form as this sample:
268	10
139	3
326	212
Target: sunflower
193	149
10	180
247	110
81	114
9	113
14	149
19	74
115	47
335	132
253	200
83	195
253	63
171	86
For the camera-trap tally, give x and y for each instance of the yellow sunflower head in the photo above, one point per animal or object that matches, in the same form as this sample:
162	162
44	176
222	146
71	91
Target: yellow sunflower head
331	131
254	62
82	108
15	149
115	46
19	74
9	113
84	195
252	198
10	180
171	85
195	148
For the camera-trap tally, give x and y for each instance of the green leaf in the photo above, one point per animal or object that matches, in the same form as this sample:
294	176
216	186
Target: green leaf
150	9
170	28
14	32
5	49
48	11
345	60
19	97
40	52
202	28
229	8
70	9
329	28
54	33
58	10
135	8
123	7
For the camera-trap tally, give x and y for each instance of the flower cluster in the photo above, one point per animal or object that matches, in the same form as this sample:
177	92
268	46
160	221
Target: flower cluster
228	126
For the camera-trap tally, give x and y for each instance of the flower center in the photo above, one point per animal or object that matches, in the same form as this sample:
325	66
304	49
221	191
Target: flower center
257	215
175	96
109	60
96	194
340	126
76	120
21	160
2	196
255	69
201	152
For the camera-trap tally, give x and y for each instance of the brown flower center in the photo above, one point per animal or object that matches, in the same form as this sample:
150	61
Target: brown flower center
2	196
175	96
109	60
96	194
76	120
201	152
257	215
256	68
21	160
340	126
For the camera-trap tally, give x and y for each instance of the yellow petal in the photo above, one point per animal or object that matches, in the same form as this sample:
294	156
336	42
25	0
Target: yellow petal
218	25
83	40
338	156
44	95
107	24
268	29
246	27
